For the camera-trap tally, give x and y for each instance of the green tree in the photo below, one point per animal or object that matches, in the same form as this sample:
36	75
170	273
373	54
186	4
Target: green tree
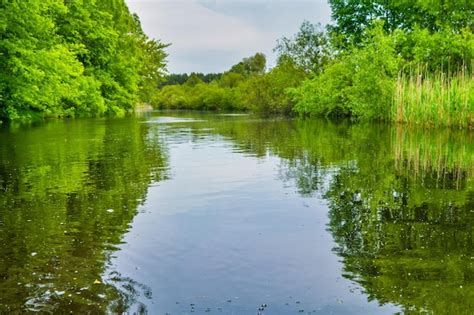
359	83
267	94
352	17
251	66
74	58
39	74
193	80
231	79
308	49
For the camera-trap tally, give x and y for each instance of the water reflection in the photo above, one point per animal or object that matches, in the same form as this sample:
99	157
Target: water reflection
68	192
401	202
403	222
255	212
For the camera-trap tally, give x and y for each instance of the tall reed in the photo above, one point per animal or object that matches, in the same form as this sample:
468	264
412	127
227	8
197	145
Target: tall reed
439	99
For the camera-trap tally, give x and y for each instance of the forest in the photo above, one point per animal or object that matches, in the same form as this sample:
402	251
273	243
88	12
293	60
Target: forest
380	61
394	61
74	58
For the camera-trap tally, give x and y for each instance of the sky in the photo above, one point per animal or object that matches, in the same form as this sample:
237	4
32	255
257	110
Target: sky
212	35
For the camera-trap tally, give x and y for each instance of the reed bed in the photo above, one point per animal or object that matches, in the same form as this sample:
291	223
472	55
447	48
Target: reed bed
439	99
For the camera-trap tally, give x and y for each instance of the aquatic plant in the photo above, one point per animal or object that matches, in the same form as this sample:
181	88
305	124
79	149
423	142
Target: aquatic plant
440	99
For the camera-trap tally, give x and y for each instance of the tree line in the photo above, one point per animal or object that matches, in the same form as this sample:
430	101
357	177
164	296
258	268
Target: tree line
380	60
74	58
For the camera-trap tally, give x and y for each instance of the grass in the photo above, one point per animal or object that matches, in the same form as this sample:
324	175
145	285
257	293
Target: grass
438	99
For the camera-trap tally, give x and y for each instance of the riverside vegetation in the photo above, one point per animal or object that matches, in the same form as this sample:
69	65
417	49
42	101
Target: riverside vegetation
392	61
188	212
74	58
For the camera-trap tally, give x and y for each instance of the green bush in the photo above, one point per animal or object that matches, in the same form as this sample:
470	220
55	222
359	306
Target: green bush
358	84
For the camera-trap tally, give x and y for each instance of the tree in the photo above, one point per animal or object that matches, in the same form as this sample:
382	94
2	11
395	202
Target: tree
231	79
74	58
308	49
39	74
251	66
352	17
193	80
267	94
359	83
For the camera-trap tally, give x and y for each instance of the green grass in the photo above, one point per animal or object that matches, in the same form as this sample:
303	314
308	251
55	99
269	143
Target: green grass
437	99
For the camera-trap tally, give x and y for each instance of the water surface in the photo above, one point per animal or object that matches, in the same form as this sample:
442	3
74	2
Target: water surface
188	213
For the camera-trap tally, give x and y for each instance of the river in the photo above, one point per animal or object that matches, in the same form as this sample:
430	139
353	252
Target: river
186	213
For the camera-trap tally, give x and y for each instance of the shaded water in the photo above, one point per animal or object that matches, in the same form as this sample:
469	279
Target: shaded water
187	213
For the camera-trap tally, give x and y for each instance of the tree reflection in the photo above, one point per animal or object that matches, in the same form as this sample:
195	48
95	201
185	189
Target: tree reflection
68	193
401	202
405	241
401	206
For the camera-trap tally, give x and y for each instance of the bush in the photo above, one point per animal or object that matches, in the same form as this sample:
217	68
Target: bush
358	84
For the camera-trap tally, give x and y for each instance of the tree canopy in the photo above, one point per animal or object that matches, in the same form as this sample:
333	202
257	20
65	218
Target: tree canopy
309	48
352	17
74	58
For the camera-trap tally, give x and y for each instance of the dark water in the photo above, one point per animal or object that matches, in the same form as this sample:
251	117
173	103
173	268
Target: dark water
203	214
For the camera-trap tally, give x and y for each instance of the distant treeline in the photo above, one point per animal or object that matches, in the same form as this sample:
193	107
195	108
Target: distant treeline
406	61
74	58
181	78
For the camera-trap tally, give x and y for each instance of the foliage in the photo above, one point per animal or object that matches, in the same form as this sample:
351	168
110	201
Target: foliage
180	78
226	92
74	58
358	84
69	191
267	94
447	50
309	49
361	82
244	87
253	65
436	99
352	17
357	68
199	96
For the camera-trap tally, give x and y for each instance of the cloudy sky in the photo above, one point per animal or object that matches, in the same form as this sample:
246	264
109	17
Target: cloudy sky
212	35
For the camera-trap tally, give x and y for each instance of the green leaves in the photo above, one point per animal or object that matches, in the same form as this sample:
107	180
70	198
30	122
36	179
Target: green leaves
308	49
358	83
78	58
251	66
353	17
